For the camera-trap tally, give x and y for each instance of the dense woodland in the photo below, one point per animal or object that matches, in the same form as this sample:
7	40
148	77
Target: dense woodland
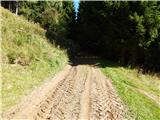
127	32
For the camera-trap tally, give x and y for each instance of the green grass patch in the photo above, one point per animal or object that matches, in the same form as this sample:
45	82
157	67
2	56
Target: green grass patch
126	82
27	58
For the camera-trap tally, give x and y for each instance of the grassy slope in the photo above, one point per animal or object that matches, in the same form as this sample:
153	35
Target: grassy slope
127	82
27	58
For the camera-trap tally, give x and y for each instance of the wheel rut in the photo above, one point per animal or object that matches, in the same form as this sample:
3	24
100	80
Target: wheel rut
80	93
105	104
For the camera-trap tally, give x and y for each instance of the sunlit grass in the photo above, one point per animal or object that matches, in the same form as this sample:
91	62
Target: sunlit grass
127	83
27	58
19	81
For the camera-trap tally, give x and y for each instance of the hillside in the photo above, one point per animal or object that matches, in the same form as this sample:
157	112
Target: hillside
27	57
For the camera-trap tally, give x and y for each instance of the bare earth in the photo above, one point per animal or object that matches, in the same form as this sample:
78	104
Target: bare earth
78	92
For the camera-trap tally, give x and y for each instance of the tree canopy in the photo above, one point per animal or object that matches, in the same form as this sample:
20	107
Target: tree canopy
127	32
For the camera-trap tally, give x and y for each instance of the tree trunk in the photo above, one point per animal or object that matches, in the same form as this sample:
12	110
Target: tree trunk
9	6
122	57
133	56
17	7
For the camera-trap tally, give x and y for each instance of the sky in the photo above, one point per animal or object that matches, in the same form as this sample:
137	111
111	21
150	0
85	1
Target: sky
76	6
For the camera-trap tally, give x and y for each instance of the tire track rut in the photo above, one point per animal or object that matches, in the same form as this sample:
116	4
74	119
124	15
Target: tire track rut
84	93
105	104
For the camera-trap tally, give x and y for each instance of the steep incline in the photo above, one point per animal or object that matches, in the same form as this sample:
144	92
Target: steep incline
26	56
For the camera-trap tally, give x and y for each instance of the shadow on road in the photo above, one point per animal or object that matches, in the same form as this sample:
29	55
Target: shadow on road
84	61
93	61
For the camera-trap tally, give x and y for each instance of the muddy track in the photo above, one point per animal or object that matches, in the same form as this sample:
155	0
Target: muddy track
78	92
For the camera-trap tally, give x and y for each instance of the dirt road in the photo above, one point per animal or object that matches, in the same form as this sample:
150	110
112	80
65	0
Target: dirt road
78	92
